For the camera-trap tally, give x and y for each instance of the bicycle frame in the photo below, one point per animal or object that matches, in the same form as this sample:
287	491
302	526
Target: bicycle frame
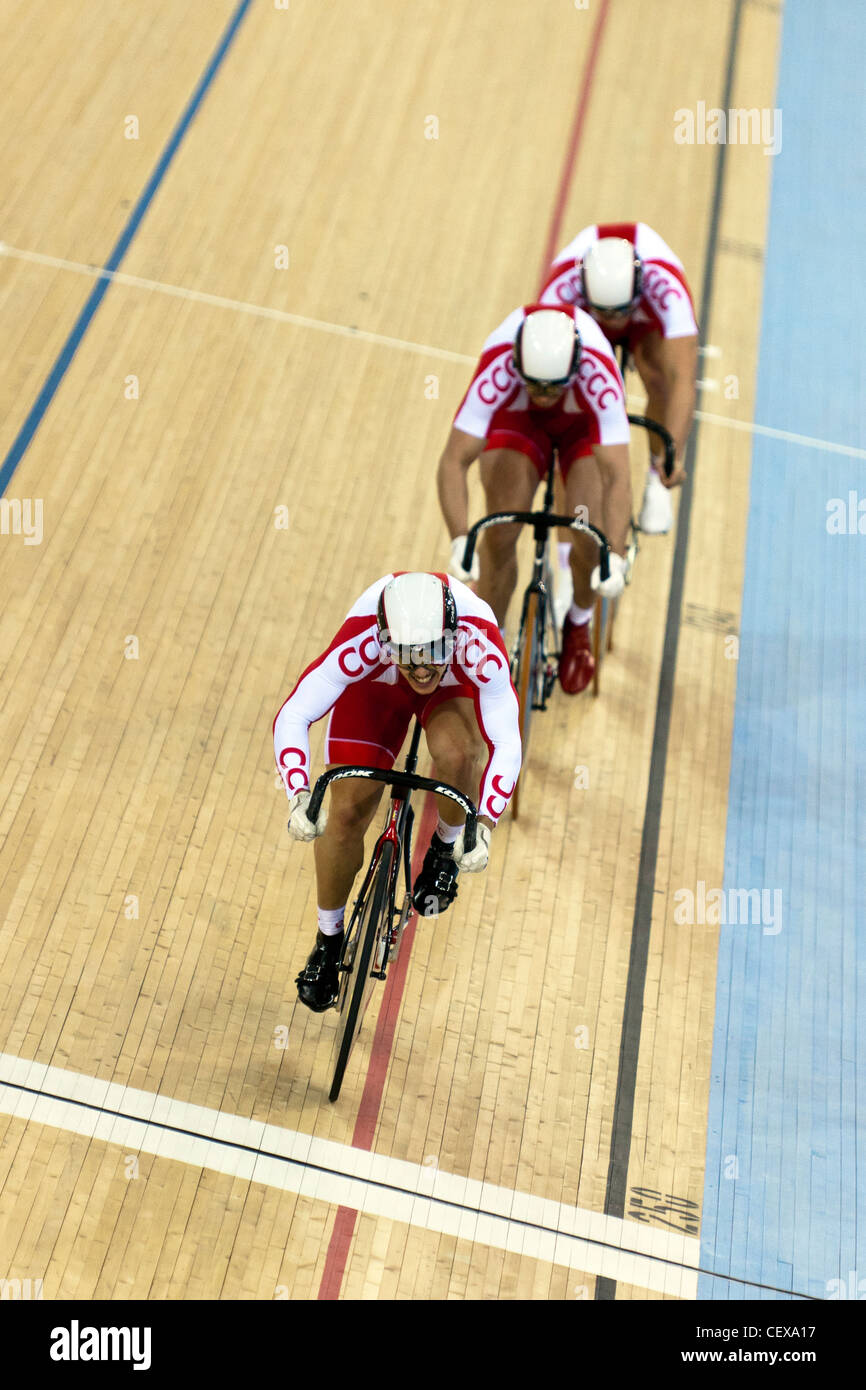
397	829
372	939
536	687
541	522
543	617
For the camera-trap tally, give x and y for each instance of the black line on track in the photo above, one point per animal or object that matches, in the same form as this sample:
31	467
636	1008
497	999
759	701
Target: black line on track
369	1182
620	1143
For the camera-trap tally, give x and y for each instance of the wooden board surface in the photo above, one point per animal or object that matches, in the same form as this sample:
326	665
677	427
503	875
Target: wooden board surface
153	911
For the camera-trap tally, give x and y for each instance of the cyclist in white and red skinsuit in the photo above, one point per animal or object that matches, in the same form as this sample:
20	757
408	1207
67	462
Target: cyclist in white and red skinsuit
547	380
628	278
414	644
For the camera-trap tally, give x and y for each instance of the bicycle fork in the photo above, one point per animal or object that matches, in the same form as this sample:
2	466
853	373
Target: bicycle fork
399	832
543	679
396	930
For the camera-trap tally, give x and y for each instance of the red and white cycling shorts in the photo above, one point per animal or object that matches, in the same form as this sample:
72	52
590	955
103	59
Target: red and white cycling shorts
370	720
631	334
571	436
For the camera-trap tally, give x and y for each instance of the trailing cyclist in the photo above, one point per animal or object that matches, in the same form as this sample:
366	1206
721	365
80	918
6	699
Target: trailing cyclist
630	281
547	379
414	644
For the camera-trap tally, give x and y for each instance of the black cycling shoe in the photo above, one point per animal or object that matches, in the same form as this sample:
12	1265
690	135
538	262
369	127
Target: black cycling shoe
319	981
436	885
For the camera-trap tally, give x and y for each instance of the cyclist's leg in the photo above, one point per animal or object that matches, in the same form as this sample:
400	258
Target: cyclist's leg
647	356
656	513
456	747
583	497
583	489
510	477
564	579
365	728
339	851
339	854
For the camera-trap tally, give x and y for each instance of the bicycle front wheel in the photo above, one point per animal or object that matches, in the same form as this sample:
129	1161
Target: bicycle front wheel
525	684
372	929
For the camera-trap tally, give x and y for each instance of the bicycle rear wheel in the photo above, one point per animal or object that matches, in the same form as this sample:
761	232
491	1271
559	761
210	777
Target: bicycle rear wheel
366	958
525	684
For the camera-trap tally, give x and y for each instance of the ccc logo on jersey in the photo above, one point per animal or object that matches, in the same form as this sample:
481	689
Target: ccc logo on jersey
499	793
353	661
658	288
597	383
567	288
295	776
477	655
498	381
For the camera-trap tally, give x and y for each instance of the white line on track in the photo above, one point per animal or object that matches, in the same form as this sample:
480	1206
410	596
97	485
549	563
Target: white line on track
240	306
412	1193
421	349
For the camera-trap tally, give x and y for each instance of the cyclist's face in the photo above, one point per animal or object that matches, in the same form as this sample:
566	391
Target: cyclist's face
423	679
612	318
543	395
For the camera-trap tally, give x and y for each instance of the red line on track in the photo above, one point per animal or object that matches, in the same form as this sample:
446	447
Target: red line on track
553	234
365	1126
371	1099
338	1254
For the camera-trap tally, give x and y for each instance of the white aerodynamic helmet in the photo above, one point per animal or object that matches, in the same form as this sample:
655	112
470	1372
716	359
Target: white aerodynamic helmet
547	347
417	619
611	275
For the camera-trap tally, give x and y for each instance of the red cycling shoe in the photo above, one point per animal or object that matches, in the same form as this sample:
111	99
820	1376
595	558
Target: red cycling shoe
577	663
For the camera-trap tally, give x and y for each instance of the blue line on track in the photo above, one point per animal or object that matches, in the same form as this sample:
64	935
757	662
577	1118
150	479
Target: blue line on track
785	1186
100	289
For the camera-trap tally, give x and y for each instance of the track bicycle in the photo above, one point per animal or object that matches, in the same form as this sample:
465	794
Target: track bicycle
535	657
372	938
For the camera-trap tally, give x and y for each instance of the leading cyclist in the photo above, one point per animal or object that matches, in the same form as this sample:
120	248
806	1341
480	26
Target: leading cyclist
414	644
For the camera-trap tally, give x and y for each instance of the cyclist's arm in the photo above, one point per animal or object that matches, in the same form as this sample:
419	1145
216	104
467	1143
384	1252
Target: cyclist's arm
679	365
612	460
461	450
500	726
499	723
352	655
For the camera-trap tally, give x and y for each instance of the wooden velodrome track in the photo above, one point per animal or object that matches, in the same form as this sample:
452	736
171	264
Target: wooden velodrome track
154	913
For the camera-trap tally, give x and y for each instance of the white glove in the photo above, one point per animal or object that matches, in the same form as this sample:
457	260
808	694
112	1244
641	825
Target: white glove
300	825
458	545
613	586
476	859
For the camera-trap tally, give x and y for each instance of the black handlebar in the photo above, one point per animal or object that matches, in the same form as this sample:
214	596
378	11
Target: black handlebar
406	780
542	522
652	427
